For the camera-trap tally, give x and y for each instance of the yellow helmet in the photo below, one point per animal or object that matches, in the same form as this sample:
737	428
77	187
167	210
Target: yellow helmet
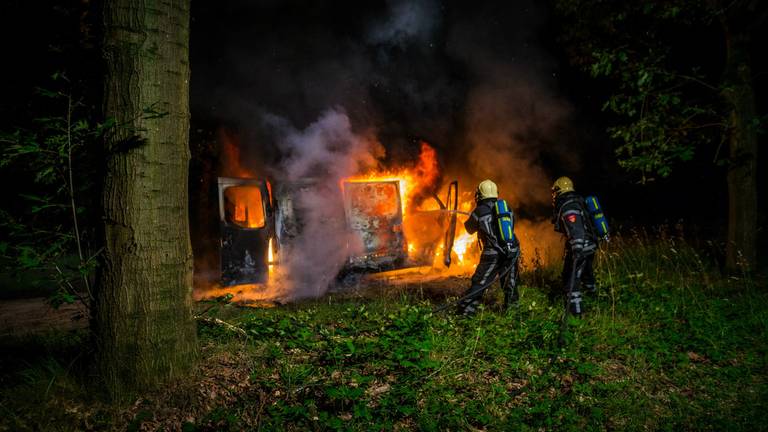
561	186
486	189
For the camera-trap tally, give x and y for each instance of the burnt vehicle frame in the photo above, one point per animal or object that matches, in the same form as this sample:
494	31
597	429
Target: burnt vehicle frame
373	212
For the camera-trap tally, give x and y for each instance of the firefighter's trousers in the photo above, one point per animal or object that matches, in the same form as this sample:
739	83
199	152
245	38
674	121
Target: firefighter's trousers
489	267
583	276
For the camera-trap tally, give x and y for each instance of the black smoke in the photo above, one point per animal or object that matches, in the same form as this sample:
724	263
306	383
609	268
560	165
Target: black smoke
471	79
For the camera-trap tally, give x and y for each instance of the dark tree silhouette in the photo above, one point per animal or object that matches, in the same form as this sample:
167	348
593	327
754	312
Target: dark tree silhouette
665	104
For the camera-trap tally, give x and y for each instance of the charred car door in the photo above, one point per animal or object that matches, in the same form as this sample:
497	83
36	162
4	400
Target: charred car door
430	231
246	217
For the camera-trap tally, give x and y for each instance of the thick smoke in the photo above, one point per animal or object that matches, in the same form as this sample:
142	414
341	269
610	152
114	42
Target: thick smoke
513	118
326	149
513	115
507	121
407	20
323	153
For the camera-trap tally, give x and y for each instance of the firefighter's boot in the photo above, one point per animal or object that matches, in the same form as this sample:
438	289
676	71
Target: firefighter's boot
574	302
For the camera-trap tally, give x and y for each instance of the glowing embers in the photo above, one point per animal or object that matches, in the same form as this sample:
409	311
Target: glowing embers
243	206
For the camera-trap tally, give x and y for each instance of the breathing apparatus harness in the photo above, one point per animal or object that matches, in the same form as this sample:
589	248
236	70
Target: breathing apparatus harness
504	241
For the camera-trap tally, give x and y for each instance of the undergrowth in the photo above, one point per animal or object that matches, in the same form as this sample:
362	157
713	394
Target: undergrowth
667	344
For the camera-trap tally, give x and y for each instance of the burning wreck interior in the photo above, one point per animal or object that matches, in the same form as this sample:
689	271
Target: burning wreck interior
388	221
284	237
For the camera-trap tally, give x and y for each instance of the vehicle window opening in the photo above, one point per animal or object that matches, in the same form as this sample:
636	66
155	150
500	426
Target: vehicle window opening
243	206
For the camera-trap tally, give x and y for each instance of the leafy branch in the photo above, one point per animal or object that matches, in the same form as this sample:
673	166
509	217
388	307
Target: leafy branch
46	231
662	112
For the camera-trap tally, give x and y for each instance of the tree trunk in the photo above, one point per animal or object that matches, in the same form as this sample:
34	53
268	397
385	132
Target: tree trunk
143	324
738	91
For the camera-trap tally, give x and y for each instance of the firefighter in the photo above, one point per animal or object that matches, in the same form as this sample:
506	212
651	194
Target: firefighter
500	250
572	219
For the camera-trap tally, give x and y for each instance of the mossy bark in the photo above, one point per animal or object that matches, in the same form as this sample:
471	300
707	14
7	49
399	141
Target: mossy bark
143	324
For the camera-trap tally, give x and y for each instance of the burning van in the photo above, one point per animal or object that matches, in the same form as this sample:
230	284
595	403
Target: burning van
259	229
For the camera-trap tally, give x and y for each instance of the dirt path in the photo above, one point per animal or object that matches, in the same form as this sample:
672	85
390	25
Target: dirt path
34	315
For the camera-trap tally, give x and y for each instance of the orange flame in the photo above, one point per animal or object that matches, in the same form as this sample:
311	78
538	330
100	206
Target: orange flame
462	244
427	171
229	156
271	259
416	182
244	206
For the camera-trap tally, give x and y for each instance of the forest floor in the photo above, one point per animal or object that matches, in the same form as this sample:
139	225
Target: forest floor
668	343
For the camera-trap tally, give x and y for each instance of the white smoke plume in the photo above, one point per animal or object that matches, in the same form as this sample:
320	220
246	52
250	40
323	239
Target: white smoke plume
323	153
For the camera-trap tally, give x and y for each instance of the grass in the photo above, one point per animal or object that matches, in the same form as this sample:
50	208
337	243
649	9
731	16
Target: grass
668	344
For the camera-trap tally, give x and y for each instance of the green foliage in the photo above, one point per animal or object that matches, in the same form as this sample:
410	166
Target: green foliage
659	125
45	226
56	161
668	344
39	370
664	109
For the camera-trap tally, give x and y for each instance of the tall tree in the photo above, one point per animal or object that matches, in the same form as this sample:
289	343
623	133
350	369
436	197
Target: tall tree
666	104
738	23
142	322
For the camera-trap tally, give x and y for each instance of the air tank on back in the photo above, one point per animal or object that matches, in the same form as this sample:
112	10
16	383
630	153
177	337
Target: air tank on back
598	217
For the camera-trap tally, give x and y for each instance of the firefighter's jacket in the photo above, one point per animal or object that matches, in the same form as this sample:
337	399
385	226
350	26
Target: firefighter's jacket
481	221
572	219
